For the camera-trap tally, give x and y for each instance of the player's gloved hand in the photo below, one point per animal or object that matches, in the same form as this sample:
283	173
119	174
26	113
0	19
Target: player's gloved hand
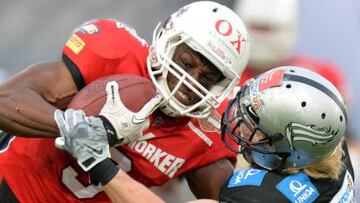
122	125
83	137
86	140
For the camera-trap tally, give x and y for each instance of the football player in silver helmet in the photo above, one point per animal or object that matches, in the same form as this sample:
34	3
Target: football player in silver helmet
289	124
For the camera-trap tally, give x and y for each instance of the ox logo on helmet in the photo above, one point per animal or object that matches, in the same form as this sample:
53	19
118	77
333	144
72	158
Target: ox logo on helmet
225	28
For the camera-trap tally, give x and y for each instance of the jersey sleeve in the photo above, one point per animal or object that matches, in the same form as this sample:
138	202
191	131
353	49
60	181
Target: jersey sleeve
96	49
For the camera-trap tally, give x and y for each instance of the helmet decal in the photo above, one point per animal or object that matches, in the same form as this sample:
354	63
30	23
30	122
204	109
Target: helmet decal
228	31
271	79
308	133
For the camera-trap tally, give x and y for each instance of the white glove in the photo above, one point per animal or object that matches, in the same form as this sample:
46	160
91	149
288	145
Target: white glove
83	137
128	125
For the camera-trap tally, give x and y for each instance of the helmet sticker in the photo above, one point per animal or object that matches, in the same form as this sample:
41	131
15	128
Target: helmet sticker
224	28
299	132
271	79
257	103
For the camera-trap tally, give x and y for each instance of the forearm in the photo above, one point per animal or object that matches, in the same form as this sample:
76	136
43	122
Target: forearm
29	99
204	187
122	188
24	112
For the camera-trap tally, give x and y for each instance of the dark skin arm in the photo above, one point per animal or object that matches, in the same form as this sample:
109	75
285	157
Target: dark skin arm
207	181
28	100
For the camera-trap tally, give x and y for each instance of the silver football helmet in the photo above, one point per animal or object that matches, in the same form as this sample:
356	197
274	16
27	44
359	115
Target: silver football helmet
294	118
215	32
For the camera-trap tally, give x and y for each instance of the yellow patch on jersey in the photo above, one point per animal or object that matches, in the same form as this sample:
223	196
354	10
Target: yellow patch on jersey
75	43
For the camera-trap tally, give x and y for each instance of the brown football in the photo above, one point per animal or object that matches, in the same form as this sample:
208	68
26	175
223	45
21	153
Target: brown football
135	91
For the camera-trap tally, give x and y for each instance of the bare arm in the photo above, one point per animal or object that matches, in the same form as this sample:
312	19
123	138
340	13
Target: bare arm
122	188
207	181
28	100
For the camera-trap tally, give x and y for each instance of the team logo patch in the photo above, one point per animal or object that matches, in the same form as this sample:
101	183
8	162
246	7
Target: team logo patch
346	193
308	133
211	123
271	79
75	43
245	177
88	29
298	188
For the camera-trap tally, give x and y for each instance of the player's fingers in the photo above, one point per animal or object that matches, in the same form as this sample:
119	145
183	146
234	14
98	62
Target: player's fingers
60	121
79	116
60	142
112	95
149	107
70	118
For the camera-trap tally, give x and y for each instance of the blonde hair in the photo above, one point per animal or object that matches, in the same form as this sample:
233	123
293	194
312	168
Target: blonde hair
327	168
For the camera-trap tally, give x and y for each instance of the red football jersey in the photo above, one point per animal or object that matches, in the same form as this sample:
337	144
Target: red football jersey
36	171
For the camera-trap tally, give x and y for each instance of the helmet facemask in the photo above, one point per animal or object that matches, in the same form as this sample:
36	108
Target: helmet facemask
208	98
242	134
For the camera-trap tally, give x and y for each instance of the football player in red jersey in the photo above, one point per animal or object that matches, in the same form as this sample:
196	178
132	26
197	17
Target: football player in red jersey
288	123
196	58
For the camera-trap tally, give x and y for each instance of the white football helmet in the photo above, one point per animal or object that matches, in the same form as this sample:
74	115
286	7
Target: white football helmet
273	29
214	31
300	116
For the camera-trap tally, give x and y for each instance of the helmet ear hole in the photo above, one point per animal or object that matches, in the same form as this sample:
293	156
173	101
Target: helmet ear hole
341	118
323	115
288	86
303	104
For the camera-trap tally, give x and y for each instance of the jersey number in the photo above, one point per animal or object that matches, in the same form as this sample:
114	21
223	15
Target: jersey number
69	176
